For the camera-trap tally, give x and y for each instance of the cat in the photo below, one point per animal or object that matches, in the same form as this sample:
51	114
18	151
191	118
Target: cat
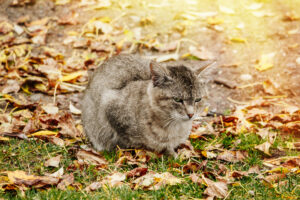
132	102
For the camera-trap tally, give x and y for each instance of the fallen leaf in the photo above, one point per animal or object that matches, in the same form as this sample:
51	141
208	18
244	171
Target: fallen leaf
43	133
274	178
88	157
93	186
270	87
167	57
67	126
53	162
58	174
137	172
215	189
56	140
74	110
115	179
201	53
232	156
191	167
265	62
208	154
196	179
264	147
67	180
73	76
50	108
226	10
154	181
22	178
4	138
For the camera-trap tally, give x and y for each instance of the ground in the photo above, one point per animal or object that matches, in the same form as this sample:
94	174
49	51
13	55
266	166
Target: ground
248	150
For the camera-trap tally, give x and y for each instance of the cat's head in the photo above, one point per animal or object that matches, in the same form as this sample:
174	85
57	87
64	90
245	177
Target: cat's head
176	91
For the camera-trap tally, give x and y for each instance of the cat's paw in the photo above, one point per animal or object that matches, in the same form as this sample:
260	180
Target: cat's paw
172	152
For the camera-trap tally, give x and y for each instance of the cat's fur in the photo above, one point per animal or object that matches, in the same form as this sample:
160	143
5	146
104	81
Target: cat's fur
130	103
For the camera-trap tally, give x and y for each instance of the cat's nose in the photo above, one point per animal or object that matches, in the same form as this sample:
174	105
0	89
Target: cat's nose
190	115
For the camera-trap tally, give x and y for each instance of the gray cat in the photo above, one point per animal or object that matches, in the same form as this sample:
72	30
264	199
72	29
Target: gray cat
132	102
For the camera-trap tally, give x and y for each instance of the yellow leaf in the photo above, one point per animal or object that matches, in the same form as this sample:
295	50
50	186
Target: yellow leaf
41	133
62	2
279	169
40	87
4	138
238	40
72	76
265	62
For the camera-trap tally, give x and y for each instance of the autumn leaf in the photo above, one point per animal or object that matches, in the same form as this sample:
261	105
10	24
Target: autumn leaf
22	178
215	189
88	157
53	162
232	156
264	147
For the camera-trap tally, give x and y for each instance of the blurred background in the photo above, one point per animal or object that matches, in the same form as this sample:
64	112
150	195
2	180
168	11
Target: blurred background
253	45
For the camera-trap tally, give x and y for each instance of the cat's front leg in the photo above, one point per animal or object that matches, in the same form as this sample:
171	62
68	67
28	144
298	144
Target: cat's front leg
170	151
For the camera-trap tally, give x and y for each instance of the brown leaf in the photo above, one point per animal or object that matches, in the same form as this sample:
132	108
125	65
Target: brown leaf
68	19
274	178
22	178
264	147
154	181
67	180
196	179
53	162
201	53
232	156
50	108
115	179
137	172
56	140
238	174
67	125
93	186
88	157
191	167
11	86
215	189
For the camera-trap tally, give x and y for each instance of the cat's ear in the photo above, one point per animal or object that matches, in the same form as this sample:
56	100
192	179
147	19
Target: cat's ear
204	67
159	74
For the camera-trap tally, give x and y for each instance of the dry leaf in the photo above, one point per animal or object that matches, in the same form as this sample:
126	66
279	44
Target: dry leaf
215	189
201	53
50	108
154	181
53	162
264	147
167	57
56	140
137	172
43	133
115	179
265	62
88	157
67	180
196	179
58	174
232	156
67	125
74	110
22	178
93	186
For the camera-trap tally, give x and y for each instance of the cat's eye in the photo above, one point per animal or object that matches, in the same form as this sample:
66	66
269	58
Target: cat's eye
198	99
178	100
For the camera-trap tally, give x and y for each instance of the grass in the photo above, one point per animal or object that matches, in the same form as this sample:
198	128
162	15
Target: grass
30	156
